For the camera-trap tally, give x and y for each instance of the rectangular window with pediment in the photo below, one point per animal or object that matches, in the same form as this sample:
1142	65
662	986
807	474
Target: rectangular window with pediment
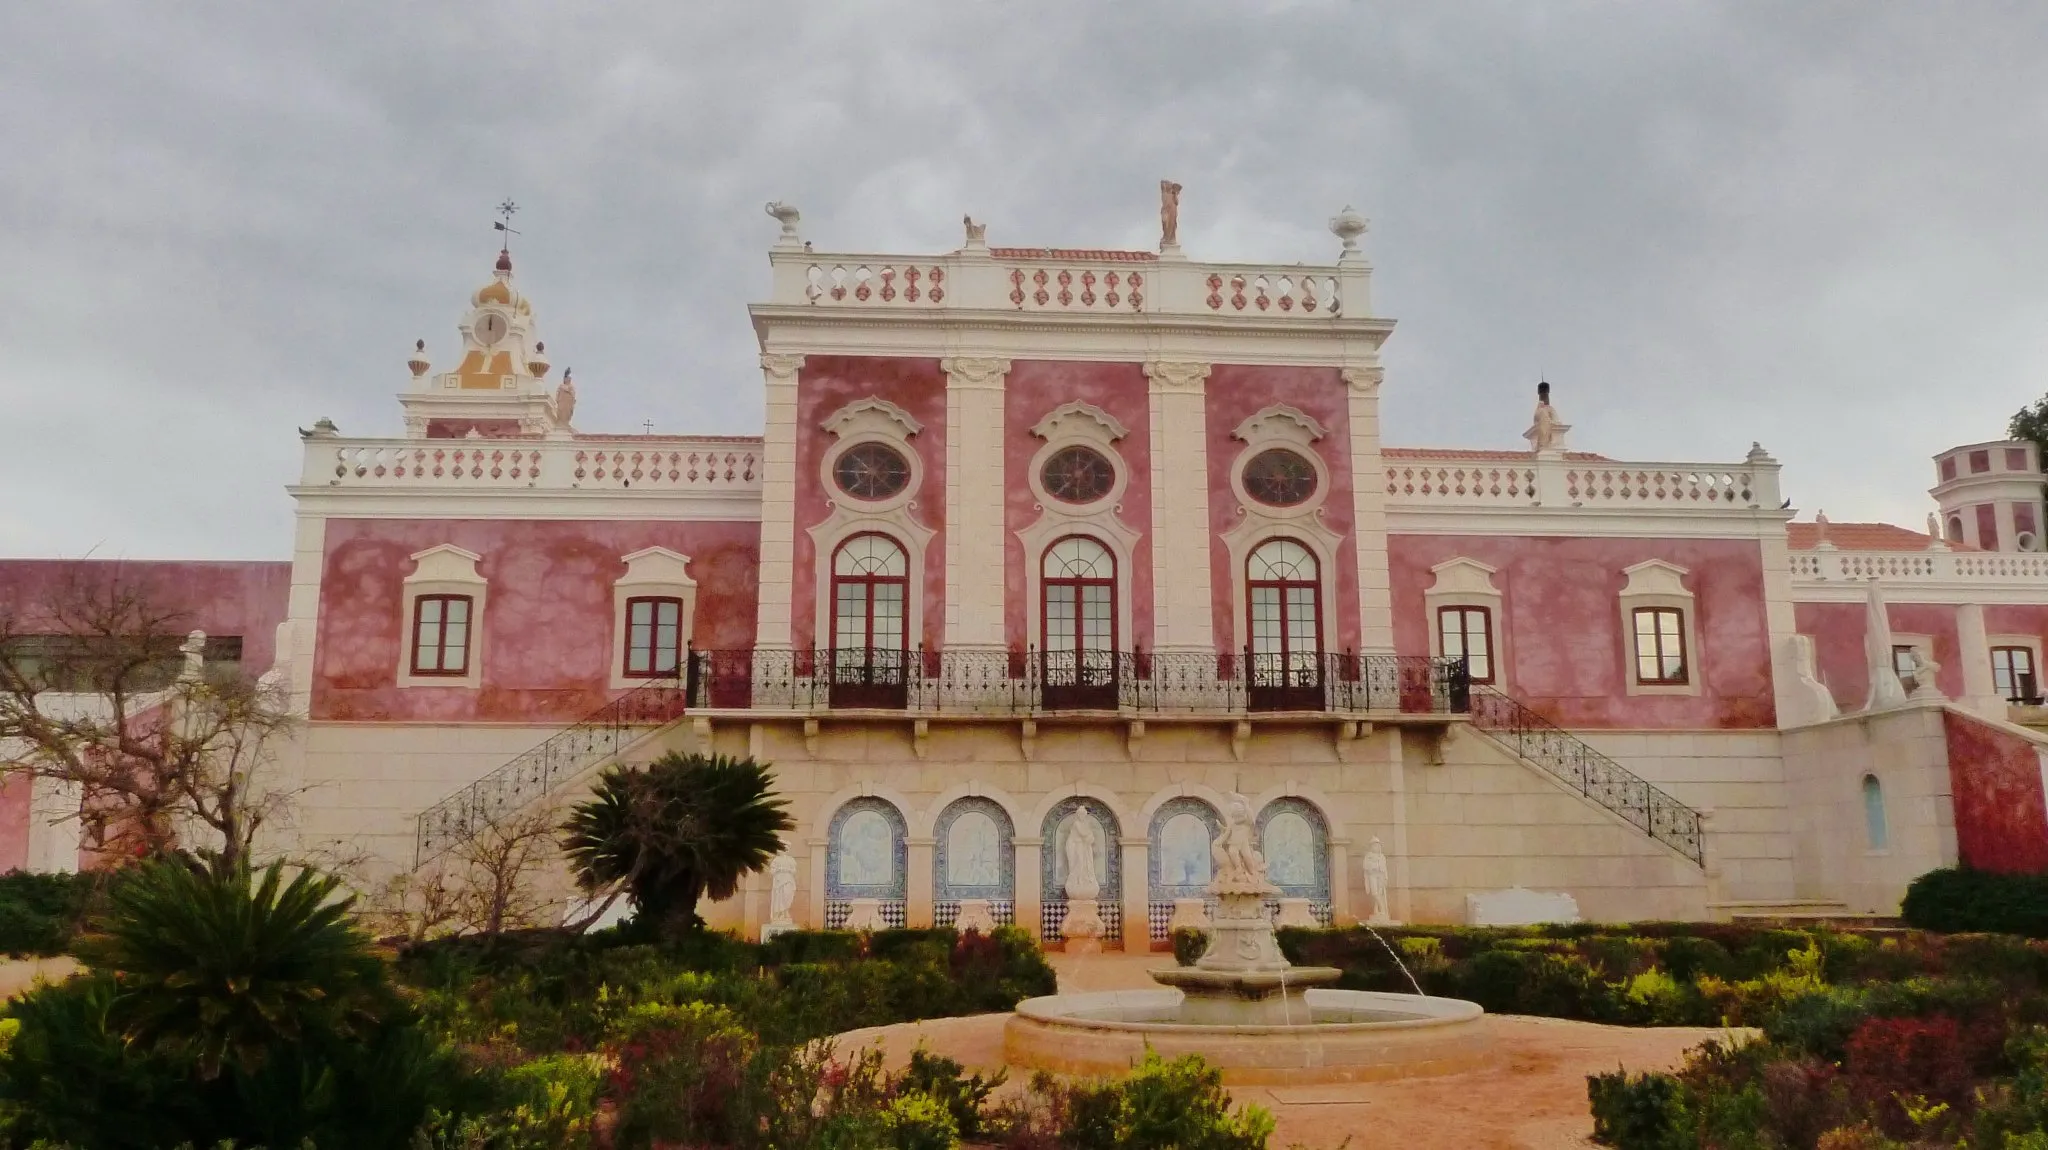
1467	633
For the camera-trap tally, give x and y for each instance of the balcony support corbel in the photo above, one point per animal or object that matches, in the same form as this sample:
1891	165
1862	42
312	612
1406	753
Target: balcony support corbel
1027	739
1240	739
700	730
811	737
920	738
1134	739
1348	734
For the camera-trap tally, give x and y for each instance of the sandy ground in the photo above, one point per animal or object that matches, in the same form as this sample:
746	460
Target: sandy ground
1535	1099
17	975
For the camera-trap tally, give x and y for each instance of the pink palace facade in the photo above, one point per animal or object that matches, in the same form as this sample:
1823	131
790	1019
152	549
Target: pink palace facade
1033	535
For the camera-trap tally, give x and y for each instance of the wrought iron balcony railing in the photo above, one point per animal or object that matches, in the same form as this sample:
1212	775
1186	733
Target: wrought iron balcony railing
1595	776
1023	682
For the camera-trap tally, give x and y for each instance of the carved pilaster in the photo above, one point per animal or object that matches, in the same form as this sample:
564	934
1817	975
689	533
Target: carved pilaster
1169	376
780	368
973	372
415	427
1365	379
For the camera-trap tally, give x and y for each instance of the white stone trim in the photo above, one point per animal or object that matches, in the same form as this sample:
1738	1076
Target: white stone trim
777	507
1656	583
1280	426
1466	582
444	569
651	572
975	485
924	823
1077	790
1183	608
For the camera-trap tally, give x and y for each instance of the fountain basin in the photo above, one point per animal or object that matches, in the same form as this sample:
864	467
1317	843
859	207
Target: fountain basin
1348	1036
1240	997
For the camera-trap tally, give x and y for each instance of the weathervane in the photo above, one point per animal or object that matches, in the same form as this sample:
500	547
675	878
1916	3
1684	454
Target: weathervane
505	225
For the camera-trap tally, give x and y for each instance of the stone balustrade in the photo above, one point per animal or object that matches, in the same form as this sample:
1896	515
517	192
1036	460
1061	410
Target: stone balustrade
712	465
1422	481
1046	280
1987	570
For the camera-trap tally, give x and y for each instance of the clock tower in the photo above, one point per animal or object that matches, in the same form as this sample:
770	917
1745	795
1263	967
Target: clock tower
498	388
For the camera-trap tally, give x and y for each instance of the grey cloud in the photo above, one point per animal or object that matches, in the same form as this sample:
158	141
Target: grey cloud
1812	225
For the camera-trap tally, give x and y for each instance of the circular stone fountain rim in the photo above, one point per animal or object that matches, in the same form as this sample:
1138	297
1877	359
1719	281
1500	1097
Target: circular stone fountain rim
1439	1012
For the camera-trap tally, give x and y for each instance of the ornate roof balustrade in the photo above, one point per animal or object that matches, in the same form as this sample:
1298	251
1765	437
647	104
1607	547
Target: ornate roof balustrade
1069	282
713	465
1922	576
1426	480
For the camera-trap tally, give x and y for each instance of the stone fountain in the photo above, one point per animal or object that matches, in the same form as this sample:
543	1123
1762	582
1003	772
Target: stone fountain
1245	1008
1242	978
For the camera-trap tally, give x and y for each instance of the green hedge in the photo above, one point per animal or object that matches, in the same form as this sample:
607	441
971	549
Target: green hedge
1957	899
40	914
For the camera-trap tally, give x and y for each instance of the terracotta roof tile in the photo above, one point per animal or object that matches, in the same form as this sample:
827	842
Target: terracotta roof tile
1105	255
1861	537
1476	455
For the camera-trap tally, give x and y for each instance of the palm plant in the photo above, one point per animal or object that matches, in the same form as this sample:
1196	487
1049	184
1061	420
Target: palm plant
682	828
227	969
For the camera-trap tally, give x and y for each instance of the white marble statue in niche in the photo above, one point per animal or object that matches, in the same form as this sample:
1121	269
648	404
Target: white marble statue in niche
1083	855
1289	846
971	851
1184	851
781	889
865	854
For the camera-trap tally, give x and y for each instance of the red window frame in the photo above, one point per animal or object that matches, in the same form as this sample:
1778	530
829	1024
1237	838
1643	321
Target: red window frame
1657	637
1464	614
656	659
868	585
437	641
1080	587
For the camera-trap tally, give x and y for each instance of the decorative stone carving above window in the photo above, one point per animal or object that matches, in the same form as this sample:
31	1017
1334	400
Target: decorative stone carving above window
1653	584
651	573
443	570
872	464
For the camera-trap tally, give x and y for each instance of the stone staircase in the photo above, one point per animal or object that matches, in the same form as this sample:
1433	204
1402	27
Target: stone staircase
1601	780
605	733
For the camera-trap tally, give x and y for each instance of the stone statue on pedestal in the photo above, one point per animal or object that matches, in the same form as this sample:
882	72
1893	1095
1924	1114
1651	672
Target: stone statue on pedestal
1238	861
1169	215
782	888
1083	837
1376	881
1546	431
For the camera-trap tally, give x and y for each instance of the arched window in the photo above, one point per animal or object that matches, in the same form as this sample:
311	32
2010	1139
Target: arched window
1079	625
1875	829
870	589
1284	601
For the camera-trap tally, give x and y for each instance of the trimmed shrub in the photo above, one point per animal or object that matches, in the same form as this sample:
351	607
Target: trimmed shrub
1637	1111
1958	899
1160	1105
1189	944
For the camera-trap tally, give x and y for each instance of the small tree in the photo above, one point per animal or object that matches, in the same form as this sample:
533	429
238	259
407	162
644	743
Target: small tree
685	827
2031	423
102	688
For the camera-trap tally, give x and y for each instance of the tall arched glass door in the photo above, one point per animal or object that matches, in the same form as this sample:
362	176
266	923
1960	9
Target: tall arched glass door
870	597
1283	602
1078	626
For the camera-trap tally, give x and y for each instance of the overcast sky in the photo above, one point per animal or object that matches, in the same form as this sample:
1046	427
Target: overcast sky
1819	226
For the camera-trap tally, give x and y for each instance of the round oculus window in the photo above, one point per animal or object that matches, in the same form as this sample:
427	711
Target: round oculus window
871	471
1278	477
1078	475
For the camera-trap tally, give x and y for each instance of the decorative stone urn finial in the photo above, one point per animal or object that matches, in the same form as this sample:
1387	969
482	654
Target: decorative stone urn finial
1348	225
788	217
418	363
